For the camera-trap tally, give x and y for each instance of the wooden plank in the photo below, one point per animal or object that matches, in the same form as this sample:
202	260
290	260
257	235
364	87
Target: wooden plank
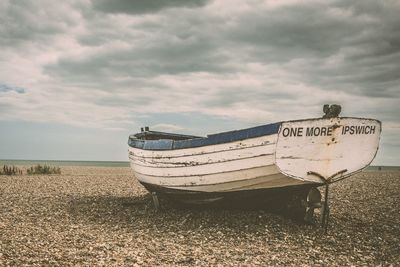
263	182
206	169
207	158
209	179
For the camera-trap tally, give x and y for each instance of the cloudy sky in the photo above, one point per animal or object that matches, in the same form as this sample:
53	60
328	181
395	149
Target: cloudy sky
77	77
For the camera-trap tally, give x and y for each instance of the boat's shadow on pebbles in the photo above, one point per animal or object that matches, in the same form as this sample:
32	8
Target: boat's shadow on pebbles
139	212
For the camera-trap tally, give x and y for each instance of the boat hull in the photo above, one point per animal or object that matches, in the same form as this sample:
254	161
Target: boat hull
278	156
234	166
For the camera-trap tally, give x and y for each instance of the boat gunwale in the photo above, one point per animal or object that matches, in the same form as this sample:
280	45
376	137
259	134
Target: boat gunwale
208	140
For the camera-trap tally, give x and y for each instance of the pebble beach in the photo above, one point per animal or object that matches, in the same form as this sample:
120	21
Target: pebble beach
101	216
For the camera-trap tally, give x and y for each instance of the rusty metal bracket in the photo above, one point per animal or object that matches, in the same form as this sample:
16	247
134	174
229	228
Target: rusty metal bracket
326	181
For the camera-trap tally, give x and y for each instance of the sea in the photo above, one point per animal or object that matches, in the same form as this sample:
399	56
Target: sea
383	168
125	164
65	163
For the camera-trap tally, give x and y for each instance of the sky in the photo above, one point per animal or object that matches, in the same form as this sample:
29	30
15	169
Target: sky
77	77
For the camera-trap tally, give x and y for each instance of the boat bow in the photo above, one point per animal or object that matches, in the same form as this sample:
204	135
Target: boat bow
335	147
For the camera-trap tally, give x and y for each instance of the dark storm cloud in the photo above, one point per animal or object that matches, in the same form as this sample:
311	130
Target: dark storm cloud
163	58
138	7
320	29
289	32
172	43
30	21
352	46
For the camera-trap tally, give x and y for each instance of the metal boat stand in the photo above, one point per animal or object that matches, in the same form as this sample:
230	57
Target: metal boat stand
156	202
326	181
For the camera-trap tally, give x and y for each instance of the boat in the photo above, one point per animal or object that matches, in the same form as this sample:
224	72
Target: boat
284	160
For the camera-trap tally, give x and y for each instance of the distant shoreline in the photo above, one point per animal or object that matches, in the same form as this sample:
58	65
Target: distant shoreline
94	163
66	163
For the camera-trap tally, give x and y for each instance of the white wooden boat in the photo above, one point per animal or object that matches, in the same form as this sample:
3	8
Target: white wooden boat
272	159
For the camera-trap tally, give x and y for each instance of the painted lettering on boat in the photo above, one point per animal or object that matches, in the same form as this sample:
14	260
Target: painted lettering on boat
359	129
328	130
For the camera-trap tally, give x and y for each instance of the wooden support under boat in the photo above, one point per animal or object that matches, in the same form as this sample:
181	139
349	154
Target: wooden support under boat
327	181
156	201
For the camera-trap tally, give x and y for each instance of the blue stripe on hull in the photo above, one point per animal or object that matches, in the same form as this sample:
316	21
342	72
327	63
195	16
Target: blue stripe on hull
213	139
